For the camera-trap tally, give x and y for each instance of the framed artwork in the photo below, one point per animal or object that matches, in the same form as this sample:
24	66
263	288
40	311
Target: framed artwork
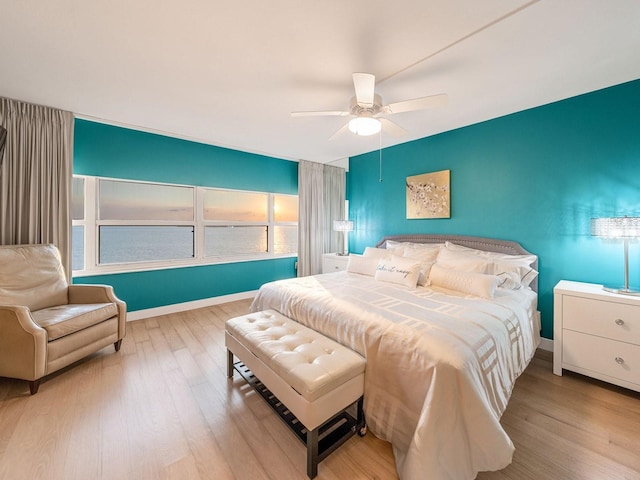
428	195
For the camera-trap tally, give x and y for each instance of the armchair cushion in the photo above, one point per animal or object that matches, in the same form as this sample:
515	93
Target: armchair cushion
62	320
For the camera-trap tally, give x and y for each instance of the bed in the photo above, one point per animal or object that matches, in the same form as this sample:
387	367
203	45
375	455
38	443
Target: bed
443	351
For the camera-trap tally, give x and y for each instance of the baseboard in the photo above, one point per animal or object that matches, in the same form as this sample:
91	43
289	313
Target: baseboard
546	344
181	307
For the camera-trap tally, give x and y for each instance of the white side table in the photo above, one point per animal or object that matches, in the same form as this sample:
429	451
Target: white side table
332	262
597	333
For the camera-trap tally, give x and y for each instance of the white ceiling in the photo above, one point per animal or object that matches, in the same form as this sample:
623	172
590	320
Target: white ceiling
229	73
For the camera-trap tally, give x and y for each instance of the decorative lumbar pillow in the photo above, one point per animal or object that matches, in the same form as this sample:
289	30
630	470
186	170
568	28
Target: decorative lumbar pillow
362	265
404	271
472	283
426	257
462	261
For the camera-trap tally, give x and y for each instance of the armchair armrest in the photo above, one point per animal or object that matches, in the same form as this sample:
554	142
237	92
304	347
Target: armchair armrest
23	344
79	293
92	294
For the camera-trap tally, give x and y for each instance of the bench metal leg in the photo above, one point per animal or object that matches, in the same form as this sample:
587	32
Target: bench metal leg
229	363
361	424
312	452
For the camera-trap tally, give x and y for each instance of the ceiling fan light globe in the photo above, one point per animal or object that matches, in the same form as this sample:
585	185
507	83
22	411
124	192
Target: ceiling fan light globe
364	126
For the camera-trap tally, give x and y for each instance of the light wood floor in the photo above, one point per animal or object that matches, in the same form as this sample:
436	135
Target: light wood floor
162	408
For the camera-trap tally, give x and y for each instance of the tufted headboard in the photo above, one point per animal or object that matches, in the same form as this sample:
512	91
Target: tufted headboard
480	243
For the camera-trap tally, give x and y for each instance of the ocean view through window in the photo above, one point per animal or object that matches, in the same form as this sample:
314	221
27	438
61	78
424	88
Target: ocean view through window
122	225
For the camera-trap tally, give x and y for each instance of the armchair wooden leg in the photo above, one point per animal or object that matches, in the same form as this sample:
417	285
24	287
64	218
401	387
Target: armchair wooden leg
117	345
33	386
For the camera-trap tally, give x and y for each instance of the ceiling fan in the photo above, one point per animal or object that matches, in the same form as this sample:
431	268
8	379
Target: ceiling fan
368	111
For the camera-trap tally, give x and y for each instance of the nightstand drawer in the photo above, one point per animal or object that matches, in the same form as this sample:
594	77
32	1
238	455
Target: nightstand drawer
334	263
603	318
590	354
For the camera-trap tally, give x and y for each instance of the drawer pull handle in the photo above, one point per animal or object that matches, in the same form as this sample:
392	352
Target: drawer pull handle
619	321
619	360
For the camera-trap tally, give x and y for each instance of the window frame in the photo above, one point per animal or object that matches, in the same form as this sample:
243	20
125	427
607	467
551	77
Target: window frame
92	223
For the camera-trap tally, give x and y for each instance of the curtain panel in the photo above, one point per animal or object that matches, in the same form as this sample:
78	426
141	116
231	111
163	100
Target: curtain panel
310	218
321	199
35	176
3	137
333	200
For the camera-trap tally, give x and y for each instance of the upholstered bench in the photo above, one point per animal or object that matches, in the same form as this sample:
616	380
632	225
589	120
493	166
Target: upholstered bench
311	376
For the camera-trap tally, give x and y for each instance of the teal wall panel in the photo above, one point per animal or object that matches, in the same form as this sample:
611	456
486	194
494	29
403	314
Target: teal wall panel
109	151
155	288
536	177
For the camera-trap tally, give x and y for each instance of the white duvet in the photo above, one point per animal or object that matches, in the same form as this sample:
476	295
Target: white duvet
440	365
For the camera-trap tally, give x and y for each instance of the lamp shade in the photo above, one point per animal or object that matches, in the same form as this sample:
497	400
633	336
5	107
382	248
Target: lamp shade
343	225
616	227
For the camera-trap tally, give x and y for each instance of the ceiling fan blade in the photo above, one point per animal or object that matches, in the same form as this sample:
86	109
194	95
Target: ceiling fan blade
343	129
364	84
431	101
392	128
328	113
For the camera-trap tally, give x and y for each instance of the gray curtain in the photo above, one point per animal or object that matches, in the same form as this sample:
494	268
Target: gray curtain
35	176
310	218
3	137
333	200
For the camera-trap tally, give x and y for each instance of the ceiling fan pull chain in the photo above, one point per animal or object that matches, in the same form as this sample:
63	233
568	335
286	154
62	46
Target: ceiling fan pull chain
380	158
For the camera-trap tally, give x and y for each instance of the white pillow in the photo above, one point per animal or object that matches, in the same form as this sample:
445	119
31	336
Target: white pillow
404	271
426	257
527	278
396	247
477	284
493	256
514	270
378	253
425	246
362	265
465	262
518	271
509	280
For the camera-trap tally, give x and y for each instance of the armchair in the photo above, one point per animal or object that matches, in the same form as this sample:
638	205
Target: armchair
46	323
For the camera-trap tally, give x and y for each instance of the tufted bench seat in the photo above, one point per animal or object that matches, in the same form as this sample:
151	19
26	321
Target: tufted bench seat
316	378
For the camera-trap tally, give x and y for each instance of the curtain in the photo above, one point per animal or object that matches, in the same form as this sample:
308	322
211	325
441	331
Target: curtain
333	197
3	136
310	218
35	176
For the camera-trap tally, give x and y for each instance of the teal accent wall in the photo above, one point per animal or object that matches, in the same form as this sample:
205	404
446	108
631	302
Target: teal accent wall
109	151
156	288
536	177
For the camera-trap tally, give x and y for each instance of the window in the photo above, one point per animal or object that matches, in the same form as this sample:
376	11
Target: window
143	222
137	243
119	200
140	225
285	212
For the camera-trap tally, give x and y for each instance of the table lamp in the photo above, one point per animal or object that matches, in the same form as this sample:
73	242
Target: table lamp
342	226
618	227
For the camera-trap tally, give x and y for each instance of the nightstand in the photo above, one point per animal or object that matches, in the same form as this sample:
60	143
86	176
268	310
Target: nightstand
597	333
332	262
